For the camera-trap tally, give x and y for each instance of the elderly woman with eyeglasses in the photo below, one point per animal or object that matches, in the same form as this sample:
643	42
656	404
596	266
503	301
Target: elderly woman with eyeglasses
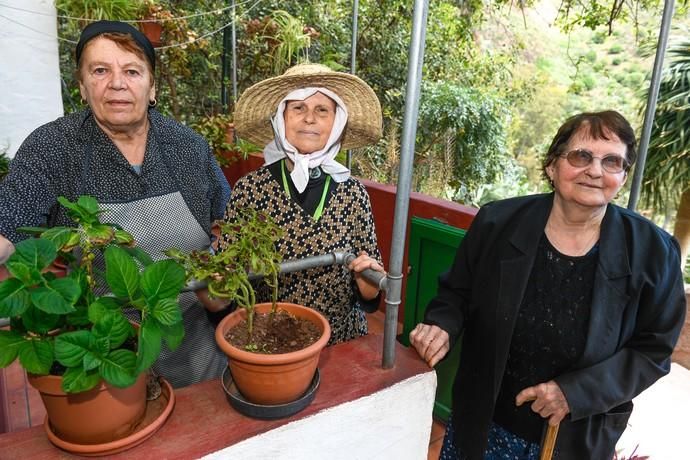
304	118
567	307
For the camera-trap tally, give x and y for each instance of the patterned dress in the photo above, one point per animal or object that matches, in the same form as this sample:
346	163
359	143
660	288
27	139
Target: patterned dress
346	224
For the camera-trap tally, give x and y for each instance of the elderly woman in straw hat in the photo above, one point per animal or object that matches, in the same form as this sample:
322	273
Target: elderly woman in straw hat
304	118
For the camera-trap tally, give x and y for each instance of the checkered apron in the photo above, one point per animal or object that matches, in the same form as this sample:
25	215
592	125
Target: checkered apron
158	223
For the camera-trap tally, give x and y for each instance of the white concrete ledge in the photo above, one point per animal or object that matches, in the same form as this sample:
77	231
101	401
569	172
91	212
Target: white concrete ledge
394	423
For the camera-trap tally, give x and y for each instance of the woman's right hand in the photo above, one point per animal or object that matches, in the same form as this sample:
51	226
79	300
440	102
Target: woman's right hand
431	342
6	250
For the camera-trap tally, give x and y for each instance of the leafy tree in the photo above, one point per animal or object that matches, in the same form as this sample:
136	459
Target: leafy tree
667	170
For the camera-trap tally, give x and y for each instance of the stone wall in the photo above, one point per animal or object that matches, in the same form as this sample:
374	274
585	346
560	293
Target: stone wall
681	354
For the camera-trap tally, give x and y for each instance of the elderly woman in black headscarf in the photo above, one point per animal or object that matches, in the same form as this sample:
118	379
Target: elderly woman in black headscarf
566	307
153	176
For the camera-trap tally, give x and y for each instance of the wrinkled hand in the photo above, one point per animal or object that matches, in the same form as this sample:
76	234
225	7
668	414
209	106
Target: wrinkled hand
549	401
431	342
367	289
6	250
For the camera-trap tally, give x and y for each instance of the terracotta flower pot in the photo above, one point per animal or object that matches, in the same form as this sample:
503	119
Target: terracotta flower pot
279	378
99	415
153	32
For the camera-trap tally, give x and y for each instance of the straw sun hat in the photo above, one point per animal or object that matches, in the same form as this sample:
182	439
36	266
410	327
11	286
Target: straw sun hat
259	103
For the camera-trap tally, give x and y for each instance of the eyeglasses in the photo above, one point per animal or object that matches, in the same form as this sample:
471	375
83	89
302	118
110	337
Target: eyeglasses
581	158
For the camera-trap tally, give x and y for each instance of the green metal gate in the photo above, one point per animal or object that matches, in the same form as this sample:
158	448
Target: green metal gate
431	252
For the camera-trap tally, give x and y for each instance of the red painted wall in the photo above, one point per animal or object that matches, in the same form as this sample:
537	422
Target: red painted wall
383	205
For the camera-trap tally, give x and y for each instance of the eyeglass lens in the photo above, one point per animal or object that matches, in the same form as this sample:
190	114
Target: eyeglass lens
580	158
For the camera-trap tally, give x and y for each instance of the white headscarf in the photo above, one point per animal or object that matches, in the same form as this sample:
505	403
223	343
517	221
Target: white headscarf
304	162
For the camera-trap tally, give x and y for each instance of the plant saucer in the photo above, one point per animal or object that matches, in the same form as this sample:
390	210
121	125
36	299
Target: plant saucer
157	412
267	412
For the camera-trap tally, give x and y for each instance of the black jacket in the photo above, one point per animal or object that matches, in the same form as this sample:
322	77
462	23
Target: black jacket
637	312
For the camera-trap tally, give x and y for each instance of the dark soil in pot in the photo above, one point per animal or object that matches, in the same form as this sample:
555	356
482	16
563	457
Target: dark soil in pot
274	334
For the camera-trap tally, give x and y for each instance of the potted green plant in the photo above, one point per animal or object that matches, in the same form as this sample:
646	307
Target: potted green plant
219	132
263	371
4	163
77	346
94	10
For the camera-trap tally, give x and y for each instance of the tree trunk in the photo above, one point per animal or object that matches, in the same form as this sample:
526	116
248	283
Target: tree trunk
681	229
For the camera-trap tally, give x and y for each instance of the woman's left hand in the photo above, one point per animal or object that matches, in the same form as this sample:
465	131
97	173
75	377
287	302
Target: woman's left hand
549	401
367	289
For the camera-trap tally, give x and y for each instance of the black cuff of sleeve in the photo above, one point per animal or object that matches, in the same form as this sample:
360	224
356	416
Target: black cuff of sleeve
369	306
215	317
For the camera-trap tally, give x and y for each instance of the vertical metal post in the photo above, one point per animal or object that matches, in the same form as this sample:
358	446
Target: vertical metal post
353	59
402	197
224	72
651	104
234	53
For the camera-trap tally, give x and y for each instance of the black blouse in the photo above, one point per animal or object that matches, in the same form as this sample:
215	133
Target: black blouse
550	332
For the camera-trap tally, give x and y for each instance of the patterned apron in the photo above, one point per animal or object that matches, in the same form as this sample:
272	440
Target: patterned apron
159	222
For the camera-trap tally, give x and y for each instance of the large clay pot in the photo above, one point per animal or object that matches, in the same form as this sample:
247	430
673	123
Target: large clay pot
102	414
273	379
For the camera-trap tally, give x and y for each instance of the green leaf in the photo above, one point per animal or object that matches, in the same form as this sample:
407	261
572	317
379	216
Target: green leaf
100	234
119	368
35	252
14	298
92	359
56	299
173	335
113	326
36	356
140	255
37	231
103	306
79	317
149	346
26	274
77	380
60	236
68	288
167	312
163	279
89	203
71	347
121	272
38	321
10	343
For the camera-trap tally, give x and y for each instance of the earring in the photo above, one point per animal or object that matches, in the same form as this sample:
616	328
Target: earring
153	102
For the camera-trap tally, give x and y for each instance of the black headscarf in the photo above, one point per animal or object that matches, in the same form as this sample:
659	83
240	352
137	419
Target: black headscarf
101	27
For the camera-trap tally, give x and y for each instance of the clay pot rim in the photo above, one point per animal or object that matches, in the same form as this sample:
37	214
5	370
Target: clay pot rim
270	359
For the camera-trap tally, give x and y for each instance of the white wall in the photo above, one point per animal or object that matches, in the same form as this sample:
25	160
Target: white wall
391	424
29	69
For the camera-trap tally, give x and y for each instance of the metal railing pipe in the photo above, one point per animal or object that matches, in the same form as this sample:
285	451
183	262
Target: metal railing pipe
295	265
353	61
651	104
402	197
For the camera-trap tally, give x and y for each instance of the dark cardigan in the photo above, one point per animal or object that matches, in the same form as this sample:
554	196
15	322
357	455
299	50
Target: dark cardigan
637	312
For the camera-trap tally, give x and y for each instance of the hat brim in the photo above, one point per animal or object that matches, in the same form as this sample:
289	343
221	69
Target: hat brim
258	104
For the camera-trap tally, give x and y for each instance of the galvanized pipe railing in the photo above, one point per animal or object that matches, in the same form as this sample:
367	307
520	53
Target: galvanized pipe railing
402	197
650	109
324	260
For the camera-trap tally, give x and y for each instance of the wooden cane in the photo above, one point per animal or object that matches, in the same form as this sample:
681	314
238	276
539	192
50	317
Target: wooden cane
549	442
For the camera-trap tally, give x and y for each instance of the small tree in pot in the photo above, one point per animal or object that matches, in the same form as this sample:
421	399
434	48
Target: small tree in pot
62	329
251	252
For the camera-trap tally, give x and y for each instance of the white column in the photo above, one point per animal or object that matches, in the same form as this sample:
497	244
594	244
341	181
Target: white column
30	93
